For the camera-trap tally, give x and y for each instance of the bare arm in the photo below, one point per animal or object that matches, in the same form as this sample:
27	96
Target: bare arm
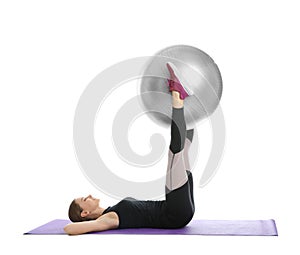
107	221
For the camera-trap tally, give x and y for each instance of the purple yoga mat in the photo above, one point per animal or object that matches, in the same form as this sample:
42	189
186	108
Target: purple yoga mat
196	227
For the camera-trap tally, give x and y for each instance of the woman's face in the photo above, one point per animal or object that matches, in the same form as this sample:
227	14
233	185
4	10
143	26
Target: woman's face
88	203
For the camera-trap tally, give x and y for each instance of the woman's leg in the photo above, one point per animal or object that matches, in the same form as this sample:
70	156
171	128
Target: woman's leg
176	170
179	182
179	208
181	140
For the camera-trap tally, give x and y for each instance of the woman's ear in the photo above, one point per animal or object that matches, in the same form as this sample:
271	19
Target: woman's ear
84	213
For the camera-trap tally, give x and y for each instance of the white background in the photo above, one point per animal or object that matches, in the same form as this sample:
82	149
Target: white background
51	50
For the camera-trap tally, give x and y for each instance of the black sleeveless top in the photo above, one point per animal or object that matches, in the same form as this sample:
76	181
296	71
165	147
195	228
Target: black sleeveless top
139	213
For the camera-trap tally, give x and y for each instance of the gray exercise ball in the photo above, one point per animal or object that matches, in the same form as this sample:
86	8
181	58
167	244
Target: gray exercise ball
201	75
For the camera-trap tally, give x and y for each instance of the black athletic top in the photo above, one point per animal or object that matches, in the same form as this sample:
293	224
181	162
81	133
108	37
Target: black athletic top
175	211
139	213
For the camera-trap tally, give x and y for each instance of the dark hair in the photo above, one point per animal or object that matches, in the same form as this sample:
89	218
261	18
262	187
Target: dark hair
75	212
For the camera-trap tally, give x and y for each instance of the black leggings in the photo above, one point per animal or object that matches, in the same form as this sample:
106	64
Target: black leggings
180	206
178	131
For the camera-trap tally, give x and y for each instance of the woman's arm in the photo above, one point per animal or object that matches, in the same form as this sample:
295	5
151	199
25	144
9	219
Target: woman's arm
107	221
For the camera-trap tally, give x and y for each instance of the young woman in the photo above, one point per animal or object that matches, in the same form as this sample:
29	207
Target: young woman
175	211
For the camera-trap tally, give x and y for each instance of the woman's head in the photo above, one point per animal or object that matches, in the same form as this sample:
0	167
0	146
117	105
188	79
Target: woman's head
84	208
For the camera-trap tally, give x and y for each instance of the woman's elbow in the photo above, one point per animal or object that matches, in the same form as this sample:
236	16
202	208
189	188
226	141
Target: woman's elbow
69	229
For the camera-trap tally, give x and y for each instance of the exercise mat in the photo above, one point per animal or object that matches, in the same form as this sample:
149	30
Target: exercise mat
195	227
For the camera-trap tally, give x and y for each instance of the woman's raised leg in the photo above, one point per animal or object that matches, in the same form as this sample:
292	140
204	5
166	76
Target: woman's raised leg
179	197
176	170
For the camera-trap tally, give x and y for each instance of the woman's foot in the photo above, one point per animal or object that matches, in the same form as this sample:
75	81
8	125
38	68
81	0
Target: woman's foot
175	82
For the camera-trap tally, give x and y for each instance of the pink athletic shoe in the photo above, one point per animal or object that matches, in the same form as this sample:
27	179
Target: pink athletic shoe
174	82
